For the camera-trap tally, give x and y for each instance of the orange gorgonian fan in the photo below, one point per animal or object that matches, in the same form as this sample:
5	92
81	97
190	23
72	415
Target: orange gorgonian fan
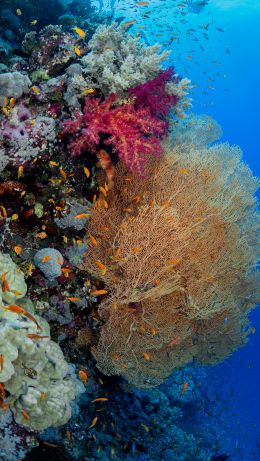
177	252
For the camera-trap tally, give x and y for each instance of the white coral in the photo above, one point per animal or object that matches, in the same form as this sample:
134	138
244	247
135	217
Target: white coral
10	443
117	61
15	279
181	89
34	371
13	85
4	159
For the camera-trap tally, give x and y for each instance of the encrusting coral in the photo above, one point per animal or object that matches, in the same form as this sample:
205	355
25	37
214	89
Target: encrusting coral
33	371
177	252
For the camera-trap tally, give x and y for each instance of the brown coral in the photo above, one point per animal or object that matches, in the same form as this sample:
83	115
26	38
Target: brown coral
179	250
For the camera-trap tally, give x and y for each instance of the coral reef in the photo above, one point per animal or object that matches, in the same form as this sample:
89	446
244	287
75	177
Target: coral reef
188	296
180	88
12	442
134	253
130	422
17	20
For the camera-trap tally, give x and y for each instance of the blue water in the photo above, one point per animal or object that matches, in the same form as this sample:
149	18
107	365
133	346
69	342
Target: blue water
237	110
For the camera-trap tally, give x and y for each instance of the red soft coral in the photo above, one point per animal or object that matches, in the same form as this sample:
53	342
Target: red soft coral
153	94
133	132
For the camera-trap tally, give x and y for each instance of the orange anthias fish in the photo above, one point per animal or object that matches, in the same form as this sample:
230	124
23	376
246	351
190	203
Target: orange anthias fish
107	165
101	266
94	422
11	103
87	172
129	23
66	271
98	292
19	310
173	342
18	249
25	415
2	361
146	356
92	239
45	259
184	387
5	284
35	336
59	260
81	216
83	376
100	399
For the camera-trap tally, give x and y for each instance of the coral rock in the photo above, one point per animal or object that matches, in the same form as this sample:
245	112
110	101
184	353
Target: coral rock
49	261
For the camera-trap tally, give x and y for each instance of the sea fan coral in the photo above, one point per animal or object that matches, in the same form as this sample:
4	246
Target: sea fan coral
153	94
199	130
180	252
134	133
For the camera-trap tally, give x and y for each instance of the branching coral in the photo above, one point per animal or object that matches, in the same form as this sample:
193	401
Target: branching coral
179	250
133	133
117	61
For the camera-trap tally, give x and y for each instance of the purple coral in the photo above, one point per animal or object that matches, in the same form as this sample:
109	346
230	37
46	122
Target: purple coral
153	94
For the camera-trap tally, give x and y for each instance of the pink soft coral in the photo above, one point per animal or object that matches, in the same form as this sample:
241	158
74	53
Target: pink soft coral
133	132
153	94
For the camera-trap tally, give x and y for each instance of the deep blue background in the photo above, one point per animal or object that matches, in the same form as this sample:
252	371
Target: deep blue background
238	112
